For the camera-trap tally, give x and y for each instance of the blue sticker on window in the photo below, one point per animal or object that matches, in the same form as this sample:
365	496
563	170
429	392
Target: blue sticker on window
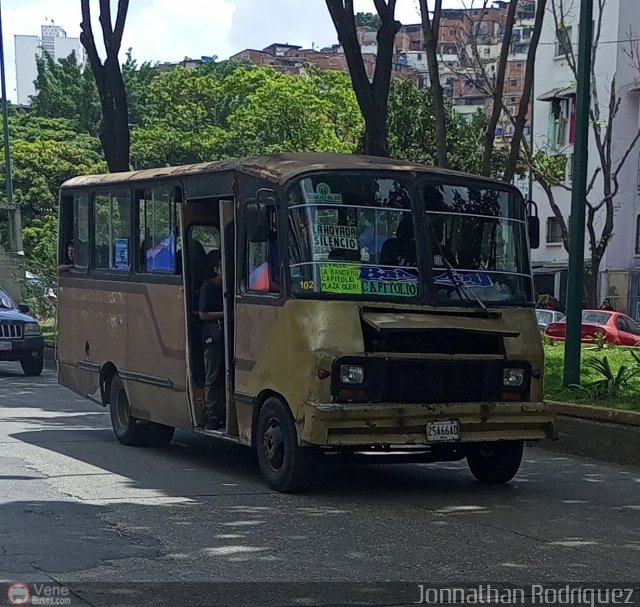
387	275
469	280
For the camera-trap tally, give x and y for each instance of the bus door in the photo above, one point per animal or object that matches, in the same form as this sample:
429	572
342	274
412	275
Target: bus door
228	251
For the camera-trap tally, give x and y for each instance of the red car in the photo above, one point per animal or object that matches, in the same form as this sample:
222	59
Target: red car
616	328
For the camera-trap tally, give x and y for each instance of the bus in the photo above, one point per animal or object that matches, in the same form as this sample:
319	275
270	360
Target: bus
372	307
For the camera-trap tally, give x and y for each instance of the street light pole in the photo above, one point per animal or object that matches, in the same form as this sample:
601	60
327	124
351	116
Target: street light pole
15	227
575	286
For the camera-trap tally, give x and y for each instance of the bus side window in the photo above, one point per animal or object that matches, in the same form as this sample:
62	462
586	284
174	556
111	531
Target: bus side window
112	237
81	231
263	260
159	239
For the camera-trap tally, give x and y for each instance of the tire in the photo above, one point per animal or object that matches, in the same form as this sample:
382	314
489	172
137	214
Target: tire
126	427
33	366
285	466
495	463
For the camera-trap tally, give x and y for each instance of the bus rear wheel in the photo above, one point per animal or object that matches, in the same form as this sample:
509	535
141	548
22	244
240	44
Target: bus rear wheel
128	429
495	463
285	465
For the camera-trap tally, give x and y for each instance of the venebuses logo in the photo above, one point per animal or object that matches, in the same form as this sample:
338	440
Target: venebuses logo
18	594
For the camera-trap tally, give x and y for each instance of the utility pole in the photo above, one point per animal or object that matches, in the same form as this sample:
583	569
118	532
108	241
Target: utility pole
575	286
15	221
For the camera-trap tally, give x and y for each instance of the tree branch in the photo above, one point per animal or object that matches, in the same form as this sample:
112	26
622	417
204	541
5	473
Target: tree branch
490	134
525	100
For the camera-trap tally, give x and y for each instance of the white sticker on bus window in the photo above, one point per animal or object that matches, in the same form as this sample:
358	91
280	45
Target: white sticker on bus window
335	237
122	253
323	193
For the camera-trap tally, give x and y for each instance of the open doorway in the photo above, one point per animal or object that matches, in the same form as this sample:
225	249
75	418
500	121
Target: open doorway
204	250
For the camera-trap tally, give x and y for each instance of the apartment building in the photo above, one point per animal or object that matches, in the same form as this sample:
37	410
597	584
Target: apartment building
554	131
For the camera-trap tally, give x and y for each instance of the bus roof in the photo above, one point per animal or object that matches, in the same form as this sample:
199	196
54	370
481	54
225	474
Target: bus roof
278	168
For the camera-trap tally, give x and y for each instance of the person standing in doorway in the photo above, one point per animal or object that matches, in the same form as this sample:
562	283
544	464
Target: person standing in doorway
211	313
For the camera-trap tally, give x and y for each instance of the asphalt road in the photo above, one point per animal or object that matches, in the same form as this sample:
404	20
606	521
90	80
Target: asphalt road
77	509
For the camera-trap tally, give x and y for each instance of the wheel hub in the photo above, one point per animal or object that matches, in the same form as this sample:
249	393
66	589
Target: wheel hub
273	445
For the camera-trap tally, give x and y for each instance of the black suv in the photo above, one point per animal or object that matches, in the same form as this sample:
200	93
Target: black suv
20	336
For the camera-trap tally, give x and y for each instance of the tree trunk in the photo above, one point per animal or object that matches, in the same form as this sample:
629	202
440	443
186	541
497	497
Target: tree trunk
591	283
431	31
375	141
372	97
525	101
114	131
498	91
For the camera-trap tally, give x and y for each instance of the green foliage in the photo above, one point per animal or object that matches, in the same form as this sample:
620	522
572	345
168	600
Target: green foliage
412	131
368	20
40	245
548	168
610	383
67	90
45	153
599	342
226	109
628	386
137	78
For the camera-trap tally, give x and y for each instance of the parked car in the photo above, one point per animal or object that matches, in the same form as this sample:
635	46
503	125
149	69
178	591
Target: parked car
548	317
20	336
616	328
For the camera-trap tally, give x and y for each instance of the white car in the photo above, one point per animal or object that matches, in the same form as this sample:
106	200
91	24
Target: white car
547	317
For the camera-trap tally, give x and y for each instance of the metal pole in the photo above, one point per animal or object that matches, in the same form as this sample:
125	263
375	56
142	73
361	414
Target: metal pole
15	229
575	286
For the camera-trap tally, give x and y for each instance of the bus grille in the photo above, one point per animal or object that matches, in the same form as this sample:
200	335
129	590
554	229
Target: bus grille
10	331
435	381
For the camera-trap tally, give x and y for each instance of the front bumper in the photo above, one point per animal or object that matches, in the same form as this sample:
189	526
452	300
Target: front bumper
397	424
23	349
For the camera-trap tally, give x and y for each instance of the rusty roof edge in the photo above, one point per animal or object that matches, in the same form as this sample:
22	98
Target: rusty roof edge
275	167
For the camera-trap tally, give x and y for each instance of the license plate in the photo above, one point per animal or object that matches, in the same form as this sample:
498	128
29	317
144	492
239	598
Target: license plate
439	432
5	345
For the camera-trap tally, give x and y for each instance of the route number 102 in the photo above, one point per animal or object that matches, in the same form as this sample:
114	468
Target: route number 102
307	285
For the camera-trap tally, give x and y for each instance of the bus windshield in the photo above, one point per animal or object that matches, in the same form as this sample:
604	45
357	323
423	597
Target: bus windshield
478	244
354	236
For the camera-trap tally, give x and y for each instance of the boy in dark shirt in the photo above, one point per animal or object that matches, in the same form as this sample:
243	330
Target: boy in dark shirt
211	314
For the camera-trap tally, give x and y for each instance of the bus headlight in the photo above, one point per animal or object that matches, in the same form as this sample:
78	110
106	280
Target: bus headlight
513	378
32	329
351	374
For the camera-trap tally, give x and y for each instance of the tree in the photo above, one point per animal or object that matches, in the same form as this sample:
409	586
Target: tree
137	79
475	68
372	96
114	131
67	90
431	31
412	131
611	154
367	20
208	114
45	153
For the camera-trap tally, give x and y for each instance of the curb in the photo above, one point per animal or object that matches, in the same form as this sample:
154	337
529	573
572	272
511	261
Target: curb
595	413
608	435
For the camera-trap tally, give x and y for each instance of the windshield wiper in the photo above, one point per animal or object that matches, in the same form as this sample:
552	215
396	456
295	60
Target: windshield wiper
460	286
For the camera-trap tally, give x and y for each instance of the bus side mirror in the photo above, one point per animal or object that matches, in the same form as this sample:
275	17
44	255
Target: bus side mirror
533	224
257	219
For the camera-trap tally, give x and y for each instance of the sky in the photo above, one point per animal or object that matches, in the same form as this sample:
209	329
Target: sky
170	30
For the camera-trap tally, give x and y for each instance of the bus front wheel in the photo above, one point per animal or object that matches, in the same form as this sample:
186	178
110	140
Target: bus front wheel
495	463
285	465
